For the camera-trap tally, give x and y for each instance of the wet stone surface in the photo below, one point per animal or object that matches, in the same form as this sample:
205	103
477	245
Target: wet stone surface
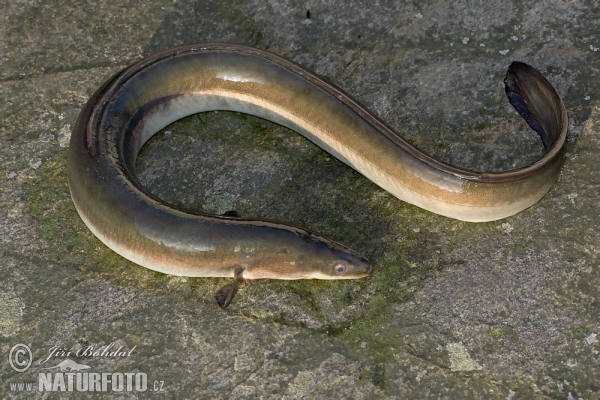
507	309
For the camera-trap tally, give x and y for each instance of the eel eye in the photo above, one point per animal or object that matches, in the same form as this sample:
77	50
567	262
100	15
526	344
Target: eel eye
339	269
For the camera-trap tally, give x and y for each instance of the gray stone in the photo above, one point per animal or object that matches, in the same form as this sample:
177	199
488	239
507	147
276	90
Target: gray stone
508	309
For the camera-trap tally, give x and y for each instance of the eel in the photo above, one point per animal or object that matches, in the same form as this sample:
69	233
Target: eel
153	92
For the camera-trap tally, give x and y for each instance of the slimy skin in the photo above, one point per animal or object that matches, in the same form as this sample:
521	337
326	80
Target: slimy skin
152	93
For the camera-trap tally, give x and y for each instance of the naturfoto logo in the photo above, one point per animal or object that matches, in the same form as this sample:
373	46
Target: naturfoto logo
89	381
68	375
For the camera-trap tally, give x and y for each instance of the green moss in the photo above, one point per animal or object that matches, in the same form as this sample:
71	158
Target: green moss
241	130
49	203
482	126
57	222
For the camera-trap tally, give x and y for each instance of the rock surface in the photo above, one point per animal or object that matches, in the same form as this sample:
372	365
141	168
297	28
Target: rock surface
508	309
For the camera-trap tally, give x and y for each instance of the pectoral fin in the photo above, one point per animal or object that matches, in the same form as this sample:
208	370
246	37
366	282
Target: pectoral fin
227	292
